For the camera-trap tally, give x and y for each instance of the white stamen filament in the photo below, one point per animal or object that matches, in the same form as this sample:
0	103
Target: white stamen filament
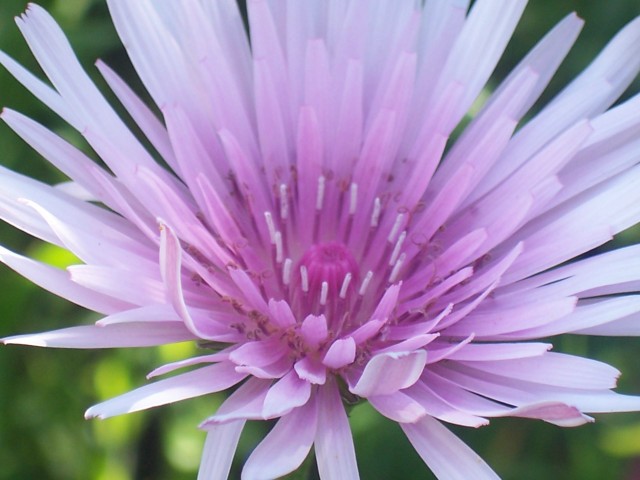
320	194
271	226
286	271
279	248
396	268
396	227
365	283
353	198
345	285
284	202
396	249
375	215
324	292
304	279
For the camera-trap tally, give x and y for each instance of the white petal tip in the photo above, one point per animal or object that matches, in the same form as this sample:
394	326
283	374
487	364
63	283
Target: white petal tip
24	340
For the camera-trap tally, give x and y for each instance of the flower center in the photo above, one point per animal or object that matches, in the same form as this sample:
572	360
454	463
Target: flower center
326	272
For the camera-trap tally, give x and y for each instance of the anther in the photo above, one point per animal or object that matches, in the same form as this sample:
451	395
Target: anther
324	293
320	194
304	279
375	215
396	268
396	227
353	198
396	249
365	283
279	247
345	285
271	226
284	202
286	271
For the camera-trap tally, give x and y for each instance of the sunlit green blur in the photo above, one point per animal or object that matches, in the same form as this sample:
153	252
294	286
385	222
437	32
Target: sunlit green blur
44	393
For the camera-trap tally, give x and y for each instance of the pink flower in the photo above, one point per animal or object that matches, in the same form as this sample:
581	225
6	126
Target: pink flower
313	225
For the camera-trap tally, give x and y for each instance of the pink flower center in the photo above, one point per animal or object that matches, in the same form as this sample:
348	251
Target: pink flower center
326	272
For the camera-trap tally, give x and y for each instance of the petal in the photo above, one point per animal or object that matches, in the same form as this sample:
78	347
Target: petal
398	407
446	455
148	313
335	454
553	369
249	289
219	449
170	267
286	394
390	372
285	447
314	330
557	413
243	404
111	336
259	354
500	351
281	313
170	367
58	282
341	353
311	370
187	385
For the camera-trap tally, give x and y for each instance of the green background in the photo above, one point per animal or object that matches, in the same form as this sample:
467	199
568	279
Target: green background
43	393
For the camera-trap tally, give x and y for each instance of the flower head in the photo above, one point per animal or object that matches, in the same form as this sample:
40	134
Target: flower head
316	225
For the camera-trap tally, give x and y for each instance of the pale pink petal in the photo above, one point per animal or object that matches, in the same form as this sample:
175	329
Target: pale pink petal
258	354
389	372
111	336
286	446
398	406
58	281
341	353
314	330
170	266
219	448
170	367
557	413
553	369
311	370
447	456
333	443
439	408
246	403
187	385
281	313
286	394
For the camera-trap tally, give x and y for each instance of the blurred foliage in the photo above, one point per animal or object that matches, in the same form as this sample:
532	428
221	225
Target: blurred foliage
43	392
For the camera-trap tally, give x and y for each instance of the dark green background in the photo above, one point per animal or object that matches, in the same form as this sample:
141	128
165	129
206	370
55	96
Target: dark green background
43	393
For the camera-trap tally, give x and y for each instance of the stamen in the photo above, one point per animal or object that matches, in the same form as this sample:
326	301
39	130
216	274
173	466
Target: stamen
320	194
396	249
365	283
375	215
353	198
284	202
396	227
286	271
345	285
271	226
396	268
324	292
279	247
304	279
